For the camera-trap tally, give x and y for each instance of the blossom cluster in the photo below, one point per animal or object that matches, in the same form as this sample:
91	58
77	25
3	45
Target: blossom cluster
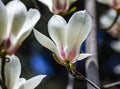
16	23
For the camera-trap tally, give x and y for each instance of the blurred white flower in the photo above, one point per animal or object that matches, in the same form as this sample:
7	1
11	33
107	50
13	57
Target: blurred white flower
67	37
58	6
116	69
107	18
112	3
106	21
12	74
15	24
116	46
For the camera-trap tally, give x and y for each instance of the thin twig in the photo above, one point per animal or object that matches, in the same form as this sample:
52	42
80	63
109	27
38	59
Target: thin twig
35	4
2	81
111	85
3	67
85	79
2	84
2	70
77	75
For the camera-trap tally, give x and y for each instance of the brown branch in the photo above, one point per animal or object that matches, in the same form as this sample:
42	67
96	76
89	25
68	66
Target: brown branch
78	75
35	4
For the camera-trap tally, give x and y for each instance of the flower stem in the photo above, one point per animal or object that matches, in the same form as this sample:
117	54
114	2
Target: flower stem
3	66
2	84
78	75
2	81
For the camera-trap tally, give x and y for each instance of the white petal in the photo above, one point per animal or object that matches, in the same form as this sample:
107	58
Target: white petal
21	81
44	40
82	56
57	30
23	37
16	43
3	21
78	29
33	82
12	72
33	16
17	14
48	3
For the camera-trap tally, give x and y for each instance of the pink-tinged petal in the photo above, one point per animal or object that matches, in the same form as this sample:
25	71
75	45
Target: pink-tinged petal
82	56
33	82
7	43
72	54
16	11
32	17
3	22
45	41
48	3
12	72
60	6
12	49
57	30
17	43
78	28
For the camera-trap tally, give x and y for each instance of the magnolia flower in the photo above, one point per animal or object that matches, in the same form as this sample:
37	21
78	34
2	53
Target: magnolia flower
58	6
66	37
112	3
12	74
15	24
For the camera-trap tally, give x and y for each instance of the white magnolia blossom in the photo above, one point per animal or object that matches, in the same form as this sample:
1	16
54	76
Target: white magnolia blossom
16	23
113	3
12	74
58	6
67	37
